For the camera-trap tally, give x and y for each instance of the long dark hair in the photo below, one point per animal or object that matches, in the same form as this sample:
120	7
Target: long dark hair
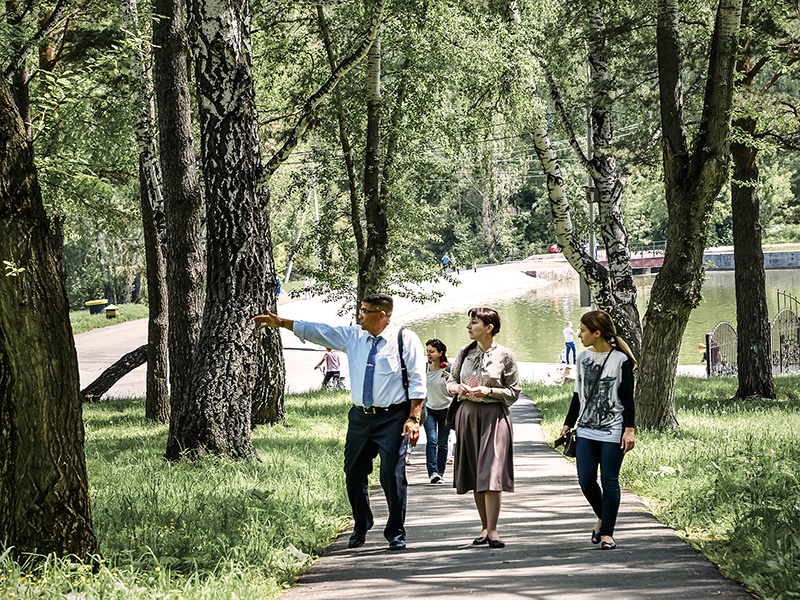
600	320
439	345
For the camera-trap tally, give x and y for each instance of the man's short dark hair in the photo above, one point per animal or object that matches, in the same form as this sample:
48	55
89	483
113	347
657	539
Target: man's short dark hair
383	301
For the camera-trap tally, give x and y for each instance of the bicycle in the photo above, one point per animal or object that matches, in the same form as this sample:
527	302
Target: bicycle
335	383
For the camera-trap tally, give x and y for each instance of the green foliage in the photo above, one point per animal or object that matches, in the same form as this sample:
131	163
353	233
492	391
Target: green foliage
728	480
84	146
214	528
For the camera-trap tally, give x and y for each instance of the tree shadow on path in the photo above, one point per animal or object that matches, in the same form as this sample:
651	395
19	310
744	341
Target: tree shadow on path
546	524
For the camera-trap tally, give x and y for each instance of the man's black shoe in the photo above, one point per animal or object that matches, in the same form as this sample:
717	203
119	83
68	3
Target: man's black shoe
397	545
356	541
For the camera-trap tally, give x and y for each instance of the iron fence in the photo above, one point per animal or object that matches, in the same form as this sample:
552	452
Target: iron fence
721	345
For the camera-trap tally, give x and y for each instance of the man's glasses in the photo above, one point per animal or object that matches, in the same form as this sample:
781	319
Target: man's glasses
364	311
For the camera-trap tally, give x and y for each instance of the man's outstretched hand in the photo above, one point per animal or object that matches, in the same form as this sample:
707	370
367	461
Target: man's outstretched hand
267	320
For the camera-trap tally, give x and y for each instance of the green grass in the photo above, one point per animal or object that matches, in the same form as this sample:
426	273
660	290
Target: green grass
728	480
210	529
82	321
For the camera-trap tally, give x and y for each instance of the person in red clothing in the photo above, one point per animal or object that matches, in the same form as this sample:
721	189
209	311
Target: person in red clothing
331	360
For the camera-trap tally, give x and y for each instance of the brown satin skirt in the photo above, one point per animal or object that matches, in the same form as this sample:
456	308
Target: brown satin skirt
484	456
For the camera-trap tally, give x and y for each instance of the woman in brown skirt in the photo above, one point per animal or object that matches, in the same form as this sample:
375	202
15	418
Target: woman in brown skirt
486	379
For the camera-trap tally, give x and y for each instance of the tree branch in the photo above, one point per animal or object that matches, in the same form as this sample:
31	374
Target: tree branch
562	113
311	104
26	49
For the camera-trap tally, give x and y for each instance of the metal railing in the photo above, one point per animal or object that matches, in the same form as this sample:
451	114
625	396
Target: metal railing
721	345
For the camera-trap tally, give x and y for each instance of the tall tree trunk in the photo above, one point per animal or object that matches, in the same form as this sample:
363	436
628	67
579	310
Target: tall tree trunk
692	183
371	269
157	401
156	406
347	150
19	72
754	339
613	288
216	414
183	203
44	492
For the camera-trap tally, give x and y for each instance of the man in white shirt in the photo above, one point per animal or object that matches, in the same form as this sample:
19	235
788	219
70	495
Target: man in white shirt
385	416
569	341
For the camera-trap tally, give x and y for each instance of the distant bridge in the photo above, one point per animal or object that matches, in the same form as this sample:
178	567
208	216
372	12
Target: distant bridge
717	261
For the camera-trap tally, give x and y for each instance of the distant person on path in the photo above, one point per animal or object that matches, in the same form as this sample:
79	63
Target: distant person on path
569	341
603	407
486	378
331	360
307	287
445	262
436	432
277	288
384	418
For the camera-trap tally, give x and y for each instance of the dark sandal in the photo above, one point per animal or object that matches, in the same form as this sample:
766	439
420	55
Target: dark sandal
595	537
608	545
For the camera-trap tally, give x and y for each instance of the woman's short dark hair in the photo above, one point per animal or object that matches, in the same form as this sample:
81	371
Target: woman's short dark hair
439	345
489	316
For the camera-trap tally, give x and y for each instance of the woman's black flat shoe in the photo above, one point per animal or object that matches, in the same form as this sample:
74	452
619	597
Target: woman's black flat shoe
480	541
603	546
496	543
595	537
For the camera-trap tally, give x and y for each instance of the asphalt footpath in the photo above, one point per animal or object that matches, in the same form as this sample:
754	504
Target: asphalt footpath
546	525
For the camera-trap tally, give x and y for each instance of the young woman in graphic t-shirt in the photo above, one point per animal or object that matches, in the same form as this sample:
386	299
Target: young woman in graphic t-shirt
602	406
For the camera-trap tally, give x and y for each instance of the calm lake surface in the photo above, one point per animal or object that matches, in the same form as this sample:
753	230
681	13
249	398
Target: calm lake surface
531	324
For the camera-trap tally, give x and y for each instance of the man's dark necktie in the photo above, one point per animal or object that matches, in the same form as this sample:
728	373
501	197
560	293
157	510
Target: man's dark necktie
369	373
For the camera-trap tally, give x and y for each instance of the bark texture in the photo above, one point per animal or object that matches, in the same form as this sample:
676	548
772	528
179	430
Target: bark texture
133	359
613	287
44	496
215	416
370	272
183	203
692	180
150	194
754	339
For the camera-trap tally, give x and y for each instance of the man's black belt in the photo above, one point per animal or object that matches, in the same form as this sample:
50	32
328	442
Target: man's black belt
379	410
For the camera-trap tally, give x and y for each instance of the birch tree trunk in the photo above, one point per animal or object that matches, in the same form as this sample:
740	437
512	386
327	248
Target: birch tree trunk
215	416
183	202
370	271
692	181
153	221
613	288
44	492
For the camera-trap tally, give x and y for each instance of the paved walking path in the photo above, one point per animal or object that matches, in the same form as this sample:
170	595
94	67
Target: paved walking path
546	525
100	348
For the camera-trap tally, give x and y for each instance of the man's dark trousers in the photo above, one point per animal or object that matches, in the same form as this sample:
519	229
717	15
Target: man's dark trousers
369	436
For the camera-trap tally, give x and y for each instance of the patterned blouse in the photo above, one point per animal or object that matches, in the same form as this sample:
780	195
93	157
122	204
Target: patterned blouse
496	368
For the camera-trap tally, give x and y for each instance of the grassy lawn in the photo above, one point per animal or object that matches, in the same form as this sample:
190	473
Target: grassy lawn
728	480
82	321
209	529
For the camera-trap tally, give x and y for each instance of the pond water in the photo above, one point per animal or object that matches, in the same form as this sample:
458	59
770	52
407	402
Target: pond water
532	324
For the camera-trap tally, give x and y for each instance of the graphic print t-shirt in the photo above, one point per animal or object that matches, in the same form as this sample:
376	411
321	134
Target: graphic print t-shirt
601	415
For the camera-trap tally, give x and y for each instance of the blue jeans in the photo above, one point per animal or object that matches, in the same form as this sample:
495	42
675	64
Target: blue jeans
436	447
571	348
589	454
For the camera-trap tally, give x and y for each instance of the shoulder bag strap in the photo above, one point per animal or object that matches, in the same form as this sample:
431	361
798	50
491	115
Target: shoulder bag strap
403	369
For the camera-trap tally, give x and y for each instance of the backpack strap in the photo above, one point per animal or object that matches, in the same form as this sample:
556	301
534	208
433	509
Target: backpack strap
403	369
